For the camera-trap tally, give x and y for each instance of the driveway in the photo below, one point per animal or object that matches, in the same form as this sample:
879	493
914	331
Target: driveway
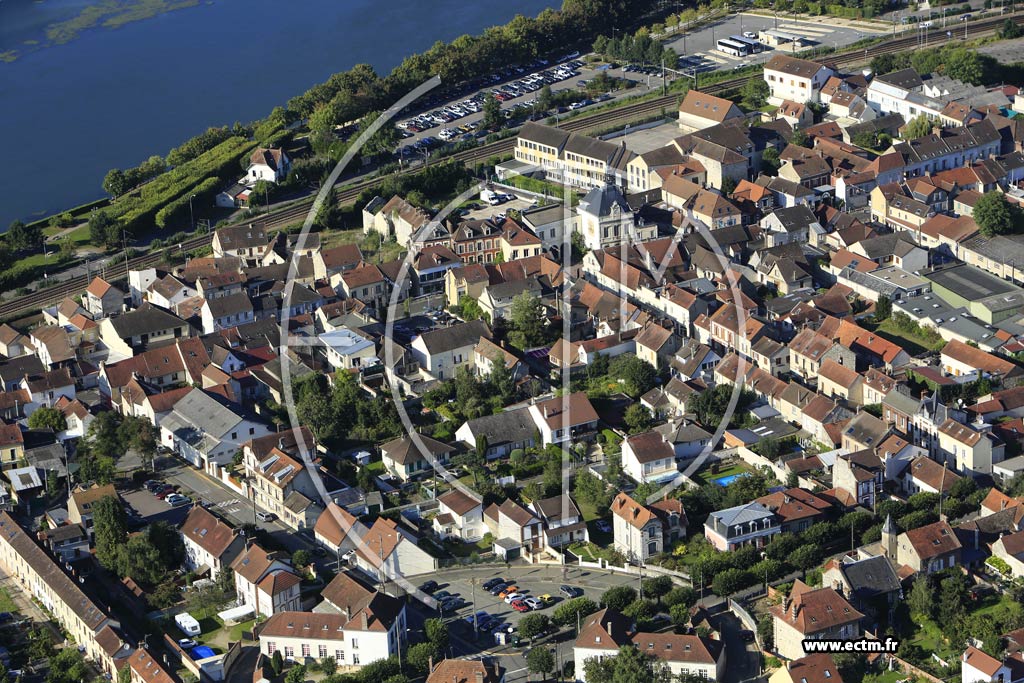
743	662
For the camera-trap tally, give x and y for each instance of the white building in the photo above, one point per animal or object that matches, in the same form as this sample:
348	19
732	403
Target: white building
347	350
798	80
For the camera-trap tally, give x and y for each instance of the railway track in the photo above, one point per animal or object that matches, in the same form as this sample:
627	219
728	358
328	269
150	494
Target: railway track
586	123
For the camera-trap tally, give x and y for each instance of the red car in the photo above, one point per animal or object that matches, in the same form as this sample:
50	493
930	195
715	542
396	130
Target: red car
164	493
520	606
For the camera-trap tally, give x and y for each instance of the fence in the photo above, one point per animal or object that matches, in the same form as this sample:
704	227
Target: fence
749	622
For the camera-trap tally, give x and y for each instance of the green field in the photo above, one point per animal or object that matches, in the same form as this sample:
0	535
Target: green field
6	603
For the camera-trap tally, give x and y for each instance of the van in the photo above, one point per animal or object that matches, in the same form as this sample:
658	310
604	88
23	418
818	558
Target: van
265	516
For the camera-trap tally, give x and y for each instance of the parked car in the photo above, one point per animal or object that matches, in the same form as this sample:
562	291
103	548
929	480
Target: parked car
520	606
749	34
491	583
533	603
512	597
176	501
163	493
604	526
496	590
747	636
480	616
508	590
266	516
187	643
570	591
546	599
429	587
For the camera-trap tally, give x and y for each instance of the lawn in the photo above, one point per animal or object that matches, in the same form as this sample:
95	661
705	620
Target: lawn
583	551
930	639
467	549
912	343
373	251
706	476
6	603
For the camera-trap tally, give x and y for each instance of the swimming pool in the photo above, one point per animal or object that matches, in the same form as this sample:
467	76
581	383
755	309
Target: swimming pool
729	478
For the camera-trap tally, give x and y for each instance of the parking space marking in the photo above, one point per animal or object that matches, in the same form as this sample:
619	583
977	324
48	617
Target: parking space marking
720	58
792	28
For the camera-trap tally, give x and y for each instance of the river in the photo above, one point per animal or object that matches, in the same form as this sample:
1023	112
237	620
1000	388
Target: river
113	97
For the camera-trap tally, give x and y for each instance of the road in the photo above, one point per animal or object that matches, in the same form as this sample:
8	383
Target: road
228	504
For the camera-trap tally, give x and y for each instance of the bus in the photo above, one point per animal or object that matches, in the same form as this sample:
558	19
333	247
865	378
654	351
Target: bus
752	45
731	47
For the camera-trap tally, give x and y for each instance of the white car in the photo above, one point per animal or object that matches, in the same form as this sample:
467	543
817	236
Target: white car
749	34
511	597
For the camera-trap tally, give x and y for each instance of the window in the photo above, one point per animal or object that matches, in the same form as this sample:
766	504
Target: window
355	643
339	656
355	660
271	647
305	649
289	652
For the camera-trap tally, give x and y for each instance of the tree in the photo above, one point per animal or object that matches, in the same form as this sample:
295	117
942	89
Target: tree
492	112
1009	30
618	598
277	663
114	183
800	139
883	308
567	612
104	231
25	237
630	665
47	418
637	418
952	601
770	162
656	586
728	185
68	666
528	321
296	674
731	580
437	633
917	128
921	600
383	141
539	660
419	656
637	376
533	625
755	93
545	100
994	215
300	558
111	531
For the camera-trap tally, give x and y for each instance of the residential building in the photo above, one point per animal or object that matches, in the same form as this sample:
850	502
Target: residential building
735	527
797	80
210	543
460	516
812	614
405	458
928	549
265	583
442	352
642	531
82	500
570	418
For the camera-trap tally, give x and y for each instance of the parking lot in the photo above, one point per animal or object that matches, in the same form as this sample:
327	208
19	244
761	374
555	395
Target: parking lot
697	48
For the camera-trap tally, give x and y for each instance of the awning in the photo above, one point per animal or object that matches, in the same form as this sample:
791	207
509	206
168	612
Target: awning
236	613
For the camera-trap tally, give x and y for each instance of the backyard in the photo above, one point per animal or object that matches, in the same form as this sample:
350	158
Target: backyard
723	474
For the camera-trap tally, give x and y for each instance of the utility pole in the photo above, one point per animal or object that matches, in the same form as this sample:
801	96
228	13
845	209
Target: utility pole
191	214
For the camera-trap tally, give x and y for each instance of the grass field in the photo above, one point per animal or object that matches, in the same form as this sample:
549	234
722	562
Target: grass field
6	603
706	476
912	343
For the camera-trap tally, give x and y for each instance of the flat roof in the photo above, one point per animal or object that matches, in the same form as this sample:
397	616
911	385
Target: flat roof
973	284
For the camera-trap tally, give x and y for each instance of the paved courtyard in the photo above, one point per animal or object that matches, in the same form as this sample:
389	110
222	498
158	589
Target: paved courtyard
697	48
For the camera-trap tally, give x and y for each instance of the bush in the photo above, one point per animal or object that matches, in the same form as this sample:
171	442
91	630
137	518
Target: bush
567	612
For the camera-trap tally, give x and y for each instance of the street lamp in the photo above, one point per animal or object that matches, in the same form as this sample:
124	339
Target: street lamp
191	214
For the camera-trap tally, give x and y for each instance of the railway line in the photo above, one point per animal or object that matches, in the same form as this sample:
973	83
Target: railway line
586	123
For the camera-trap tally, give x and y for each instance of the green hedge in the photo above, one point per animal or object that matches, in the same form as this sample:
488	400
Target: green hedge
178	210
138	211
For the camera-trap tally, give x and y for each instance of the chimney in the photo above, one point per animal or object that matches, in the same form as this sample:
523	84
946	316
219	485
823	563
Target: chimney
795	609
479	675
348	614
430	664
366	625
608	627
